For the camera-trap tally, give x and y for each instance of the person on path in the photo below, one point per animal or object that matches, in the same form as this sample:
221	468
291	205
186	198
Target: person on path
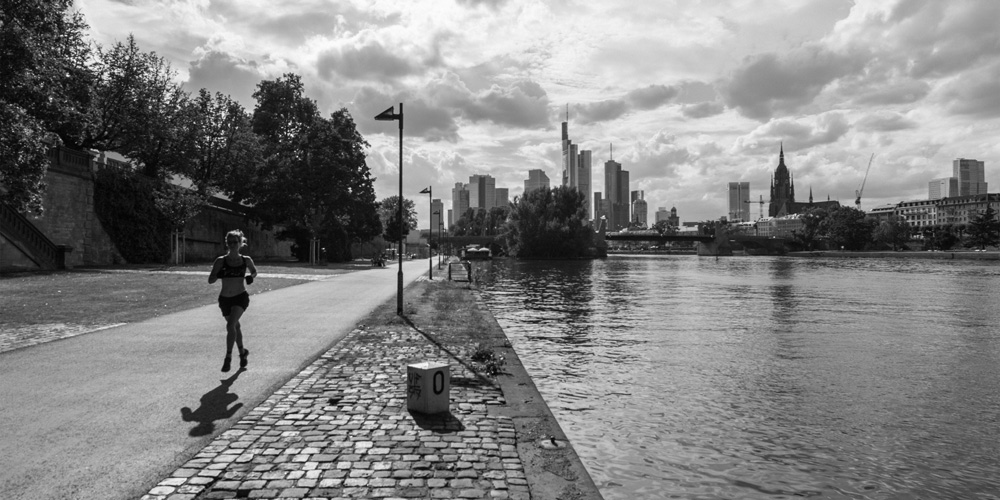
233	298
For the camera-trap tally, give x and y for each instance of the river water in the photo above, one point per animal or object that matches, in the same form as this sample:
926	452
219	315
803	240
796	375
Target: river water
765	377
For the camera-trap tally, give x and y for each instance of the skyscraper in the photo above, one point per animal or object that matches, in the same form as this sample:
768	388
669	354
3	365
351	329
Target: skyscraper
459	202
437	211
584	180
640	210
502	197
482	192
617	195
739	201
971	175
577	167
536	180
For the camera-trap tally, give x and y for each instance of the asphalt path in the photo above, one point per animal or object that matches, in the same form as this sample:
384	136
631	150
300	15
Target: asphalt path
108	414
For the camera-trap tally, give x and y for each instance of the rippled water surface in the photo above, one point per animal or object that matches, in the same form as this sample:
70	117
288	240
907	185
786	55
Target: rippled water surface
760	377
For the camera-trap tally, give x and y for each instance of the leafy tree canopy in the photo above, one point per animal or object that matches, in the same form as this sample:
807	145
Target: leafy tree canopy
984	230
893	233
138	109
549	223
388	211
847	227
44	92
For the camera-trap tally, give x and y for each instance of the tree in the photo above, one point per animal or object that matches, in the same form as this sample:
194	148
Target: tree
220	148
894	232
282	121
811	231
138	109
984	230
549	223
44	92
388	212
312	178
664	227
848	228
479	222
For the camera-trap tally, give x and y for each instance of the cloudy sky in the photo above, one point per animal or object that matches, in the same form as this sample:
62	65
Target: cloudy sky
692	94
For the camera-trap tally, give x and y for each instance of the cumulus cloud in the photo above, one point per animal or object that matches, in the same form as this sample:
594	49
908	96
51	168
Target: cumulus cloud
801	133
657	157
703	109
221	72
522	104
601	111
651	97
887	93
644	98
420	118
976	94
770	84
885	121
371	61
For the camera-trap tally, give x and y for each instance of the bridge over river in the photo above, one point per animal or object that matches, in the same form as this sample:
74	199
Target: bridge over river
718	244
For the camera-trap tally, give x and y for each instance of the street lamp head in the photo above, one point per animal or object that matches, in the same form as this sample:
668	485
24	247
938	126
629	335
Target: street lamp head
388	115
426	190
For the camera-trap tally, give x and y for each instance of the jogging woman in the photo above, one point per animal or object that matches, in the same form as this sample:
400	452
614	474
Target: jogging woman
232	269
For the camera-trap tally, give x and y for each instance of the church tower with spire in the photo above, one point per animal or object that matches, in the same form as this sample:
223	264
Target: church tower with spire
782	188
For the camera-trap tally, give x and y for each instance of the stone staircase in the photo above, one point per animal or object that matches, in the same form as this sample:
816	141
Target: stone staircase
31	242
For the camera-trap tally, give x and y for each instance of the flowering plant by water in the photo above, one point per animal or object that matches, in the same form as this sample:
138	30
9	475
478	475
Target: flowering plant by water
488	361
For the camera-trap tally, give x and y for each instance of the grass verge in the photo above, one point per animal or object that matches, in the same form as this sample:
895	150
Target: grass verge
128	294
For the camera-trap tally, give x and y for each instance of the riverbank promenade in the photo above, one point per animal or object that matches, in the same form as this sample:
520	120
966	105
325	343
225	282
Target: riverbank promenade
142	410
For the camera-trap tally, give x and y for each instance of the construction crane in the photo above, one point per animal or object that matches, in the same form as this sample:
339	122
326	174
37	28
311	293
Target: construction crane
857	202
761	206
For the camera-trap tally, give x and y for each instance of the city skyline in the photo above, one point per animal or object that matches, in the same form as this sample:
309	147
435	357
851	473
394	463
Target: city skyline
692	95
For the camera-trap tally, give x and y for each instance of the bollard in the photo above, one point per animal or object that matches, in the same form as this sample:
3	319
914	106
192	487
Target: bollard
428	387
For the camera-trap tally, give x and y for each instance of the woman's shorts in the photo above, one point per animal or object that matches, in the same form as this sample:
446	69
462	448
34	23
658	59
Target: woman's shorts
228	303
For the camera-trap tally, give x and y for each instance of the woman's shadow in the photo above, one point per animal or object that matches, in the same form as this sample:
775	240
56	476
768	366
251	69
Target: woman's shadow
214	406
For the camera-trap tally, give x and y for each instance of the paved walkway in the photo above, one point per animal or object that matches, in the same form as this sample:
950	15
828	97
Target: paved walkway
340	429
107	415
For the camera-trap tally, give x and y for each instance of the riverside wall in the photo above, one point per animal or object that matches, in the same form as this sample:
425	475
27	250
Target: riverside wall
937	255
69	219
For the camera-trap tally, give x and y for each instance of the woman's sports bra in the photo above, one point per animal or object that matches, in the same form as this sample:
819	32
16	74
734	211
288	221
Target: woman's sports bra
228	271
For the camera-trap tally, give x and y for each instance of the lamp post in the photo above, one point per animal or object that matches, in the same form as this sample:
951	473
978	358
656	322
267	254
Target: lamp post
439	237
430	230
390	115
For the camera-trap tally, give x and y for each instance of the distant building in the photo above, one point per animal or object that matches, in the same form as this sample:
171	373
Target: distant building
783	193
536	180
437	210
944	187
459	202
782	188
482	192
739	201
780	227
502	197
577	167
940	212
616	195
599	207
640	210
662	214
971	175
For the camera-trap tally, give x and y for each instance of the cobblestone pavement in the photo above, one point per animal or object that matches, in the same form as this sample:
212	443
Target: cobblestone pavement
340	429
15	337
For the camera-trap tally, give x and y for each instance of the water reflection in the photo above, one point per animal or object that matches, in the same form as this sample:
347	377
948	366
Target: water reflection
765	377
